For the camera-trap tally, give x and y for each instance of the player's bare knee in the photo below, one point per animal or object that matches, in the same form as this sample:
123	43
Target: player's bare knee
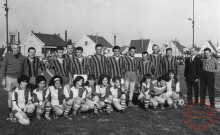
169	101
48	104
31	108
147	97
96	98
123	96
69	102
77	102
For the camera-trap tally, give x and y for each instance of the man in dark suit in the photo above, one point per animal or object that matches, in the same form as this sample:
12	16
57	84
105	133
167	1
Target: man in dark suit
192	74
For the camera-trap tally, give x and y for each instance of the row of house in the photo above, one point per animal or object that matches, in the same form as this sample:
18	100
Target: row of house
46	44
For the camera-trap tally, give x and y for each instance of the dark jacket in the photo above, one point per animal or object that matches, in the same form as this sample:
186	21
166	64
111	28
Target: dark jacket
192	69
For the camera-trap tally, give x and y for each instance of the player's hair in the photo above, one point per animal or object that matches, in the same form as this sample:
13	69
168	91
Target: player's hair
54	79
31	48
168	49
165	78
145	52
175	77
90	77
155	45
132	47
59	48
40	78
115	47
145	77
98	45
78	78
102	77
207	49
69	44
23	78
79	48
116	78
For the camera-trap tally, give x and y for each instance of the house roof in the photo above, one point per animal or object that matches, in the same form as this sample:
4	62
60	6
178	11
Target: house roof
100	40
50	40
213	47
123	49
179	46
138	45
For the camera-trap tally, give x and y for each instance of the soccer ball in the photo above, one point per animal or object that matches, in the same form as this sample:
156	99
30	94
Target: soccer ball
181	102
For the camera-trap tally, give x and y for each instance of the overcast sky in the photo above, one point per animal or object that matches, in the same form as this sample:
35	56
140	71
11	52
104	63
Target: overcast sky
158	20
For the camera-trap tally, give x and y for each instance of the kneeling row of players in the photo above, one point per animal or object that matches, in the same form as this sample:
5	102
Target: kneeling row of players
83	97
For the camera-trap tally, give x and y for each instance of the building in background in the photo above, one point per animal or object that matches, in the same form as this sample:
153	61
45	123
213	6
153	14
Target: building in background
45	44
177	48
88	43
208	45
141	45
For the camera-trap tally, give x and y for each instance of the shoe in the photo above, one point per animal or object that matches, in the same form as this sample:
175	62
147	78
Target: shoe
162	107
38	117
130	104
48	118
175	106
67	117
123	111
108	112
55	116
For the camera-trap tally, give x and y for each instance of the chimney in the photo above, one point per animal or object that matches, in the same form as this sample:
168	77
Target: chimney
19	41
114	40
142	43
65	35
58	34
96	38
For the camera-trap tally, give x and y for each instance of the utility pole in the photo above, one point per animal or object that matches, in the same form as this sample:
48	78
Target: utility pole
6	16
193	23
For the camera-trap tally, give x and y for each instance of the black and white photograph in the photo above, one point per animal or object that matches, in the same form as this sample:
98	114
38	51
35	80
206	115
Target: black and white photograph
109	67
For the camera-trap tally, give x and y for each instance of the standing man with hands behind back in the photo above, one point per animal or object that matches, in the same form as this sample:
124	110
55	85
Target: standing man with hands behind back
13	66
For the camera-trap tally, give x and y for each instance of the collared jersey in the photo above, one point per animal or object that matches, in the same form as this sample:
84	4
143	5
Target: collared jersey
74	92
21	97
40	95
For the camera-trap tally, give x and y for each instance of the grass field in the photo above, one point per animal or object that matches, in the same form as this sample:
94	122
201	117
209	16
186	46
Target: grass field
133	121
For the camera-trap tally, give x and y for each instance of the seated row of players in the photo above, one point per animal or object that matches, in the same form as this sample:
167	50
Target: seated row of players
84	97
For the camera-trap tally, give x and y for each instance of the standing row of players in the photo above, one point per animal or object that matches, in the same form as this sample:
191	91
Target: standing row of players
84	97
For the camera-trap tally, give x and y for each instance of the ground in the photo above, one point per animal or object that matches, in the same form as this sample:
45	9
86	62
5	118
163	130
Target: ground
133	121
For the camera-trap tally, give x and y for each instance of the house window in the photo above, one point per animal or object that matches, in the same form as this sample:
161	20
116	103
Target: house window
86	42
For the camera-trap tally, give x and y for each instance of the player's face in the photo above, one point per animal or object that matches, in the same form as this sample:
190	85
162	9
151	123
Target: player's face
145	56
132	52
32	53
79	53
15	49
60	53
23	84
70	49
80	82
91	82
155	49
57	84
116	52
163	83
105	81
171	75
169	53
117	83
99	50
42	85
148	80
